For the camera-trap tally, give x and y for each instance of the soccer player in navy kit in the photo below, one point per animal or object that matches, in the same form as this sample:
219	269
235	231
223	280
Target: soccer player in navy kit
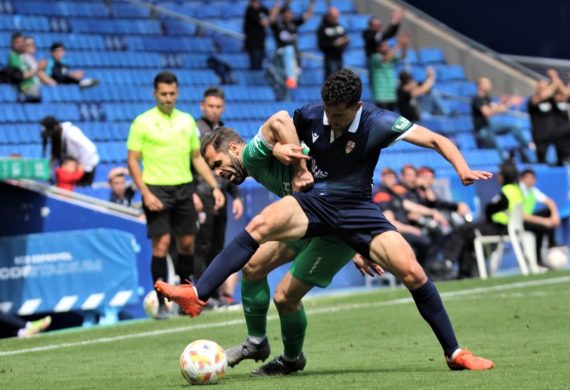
345	137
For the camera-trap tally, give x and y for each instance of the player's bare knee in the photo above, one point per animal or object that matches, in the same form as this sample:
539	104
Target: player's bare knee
253	272
413	276
260	227
284	304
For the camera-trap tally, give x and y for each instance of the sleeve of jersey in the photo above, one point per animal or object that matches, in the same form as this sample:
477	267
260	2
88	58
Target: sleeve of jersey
136	136
299	123
258	150
390	127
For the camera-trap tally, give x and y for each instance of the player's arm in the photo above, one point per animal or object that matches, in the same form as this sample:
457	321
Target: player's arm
421	136
149	199
203	170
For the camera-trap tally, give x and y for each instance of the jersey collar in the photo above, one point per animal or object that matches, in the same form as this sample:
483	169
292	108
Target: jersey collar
353	126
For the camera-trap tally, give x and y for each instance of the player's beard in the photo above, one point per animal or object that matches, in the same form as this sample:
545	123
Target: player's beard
239	172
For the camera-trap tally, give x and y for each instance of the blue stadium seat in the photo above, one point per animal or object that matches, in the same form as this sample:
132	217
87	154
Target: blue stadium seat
126	10
431	55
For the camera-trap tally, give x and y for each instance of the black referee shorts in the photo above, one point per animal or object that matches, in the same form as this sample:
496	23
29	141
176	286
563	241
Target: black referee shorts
178	216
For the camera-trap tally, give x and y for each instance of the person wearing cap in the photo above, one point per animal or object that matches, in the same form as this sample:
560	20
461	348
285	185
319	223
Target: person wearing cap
67	140
121	192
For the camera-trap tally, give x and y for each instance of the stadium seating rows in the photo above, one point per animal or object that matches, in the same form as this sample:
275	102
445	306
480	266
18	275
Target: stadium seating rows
124	46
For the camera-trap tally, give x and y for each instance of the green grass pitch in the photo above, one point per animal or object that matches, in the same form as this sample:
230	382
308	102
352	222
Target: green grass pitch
368	340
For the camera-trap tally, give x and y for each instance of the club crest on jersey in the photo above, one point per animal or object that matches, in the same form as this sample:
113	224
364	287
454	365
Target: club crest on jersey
349	146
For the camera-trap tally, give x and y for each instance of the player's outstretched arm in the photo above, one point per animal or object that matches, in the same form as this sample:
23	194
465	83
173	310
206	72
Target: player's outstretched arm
428	139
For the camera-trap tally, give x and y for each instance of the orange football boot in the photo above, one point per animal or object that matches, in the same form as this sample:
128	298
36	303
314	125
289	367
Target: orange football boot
184	295
465	360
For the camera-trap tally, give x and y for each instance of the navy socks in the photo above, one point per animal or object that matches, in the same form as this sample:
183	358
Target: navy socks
431	308
234	256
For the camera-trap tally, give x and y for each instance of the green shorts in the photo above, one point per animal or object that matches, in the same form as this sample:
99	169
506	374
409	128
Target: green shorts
318	259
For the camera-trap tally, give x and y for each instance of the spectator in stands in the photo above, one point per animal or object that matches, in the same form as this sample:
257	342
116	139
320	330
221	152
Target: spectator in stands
483	109
460	211
12	72
416	100
373	36
392	200
20	328
333	40
211	236
285	29
121	192
167	141
382	68
61	72
30	87
256	19
548	112
459	245
67	140
68	174
542	222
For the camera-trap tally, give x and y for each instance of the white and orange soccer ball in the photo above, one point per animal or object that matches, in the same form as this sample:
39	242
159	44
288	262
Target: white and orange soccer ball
150	304
203	362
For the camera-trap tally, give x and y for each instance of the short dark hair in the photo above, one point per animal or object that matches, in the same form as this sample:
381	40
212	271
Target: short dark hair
528	171
407	166
214	91
56	45
219	139
509	173
405	77
165	77
388	171
16	35
343	86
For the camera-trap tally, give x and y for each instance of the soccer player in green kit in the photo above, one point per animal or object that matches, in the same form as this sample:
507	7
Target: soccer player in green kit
315	260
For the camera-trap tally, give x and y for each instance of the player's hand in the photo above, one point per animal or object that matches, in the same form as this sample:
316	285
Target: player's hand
219	198
469	177
288	153
198	205
152	202
302	180
366	267
237	208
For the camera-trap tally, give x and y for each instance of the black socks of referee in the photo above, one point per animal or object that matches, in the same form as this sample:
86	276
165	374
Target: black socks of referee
185	267
431	308
159	271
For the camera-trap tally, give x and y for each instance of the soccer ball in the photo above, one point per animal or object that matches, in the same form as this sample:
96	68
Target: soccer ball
556	258
150	304
203	362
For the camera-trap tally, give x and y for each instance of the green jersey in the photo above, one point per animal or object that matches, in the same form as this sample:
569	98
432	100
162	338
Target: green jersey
265	169
318	259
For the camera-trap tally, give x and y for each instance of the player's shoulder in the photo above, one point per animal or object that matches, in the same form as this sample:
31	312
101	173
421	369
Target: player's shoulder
311	111
378	118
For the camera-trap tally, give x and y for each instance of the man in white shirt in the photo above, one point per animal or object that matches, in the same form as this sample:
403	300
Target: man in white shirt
541	222
67	140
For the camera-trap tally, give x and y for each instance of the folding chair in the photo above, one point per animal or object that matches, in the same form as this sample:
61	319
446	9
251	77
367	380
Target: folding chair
522	242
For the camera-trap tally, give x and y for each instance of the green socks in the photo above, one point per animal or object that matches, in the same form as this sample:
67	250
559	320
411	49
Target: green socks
293	326
255	300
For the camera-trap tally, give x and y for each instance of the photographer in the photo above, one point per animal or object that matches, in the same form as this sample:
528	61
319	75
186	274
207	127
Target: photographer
67	140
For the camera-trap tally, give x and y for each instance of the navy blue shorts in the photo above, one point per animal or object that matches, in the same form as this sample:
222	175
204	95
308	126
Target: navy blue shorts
353	220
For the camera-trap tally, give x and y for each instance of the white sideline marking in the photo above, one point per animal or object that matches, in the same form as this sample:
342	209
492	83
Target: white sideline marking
452	294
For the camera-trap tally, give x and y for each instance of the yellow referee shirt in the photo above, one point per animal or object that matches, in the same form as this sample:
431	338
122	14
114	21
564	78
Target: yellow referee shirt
166	143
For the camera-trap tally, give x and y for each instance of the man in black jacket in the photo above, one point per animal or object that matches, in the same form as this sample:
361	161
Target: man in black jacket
333	40
373	36
211	236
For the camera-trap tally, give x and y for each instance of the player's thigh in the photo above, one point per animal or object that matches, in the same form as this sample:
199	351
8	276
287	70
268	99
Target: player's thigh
320	260
268	256
282	220
392	252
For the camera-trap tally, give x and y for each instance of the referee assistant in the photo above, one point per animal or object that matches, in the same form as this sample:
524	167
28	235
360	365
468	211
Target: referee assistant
167	141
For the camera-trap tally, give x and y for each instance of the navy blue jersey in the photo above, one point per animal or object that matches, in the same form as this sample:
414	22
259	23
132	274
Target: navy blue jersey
345	166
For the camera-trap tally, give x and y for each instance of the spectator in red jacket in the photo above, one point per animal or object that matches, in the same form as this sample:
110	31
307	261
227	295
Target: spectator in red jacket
68	174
